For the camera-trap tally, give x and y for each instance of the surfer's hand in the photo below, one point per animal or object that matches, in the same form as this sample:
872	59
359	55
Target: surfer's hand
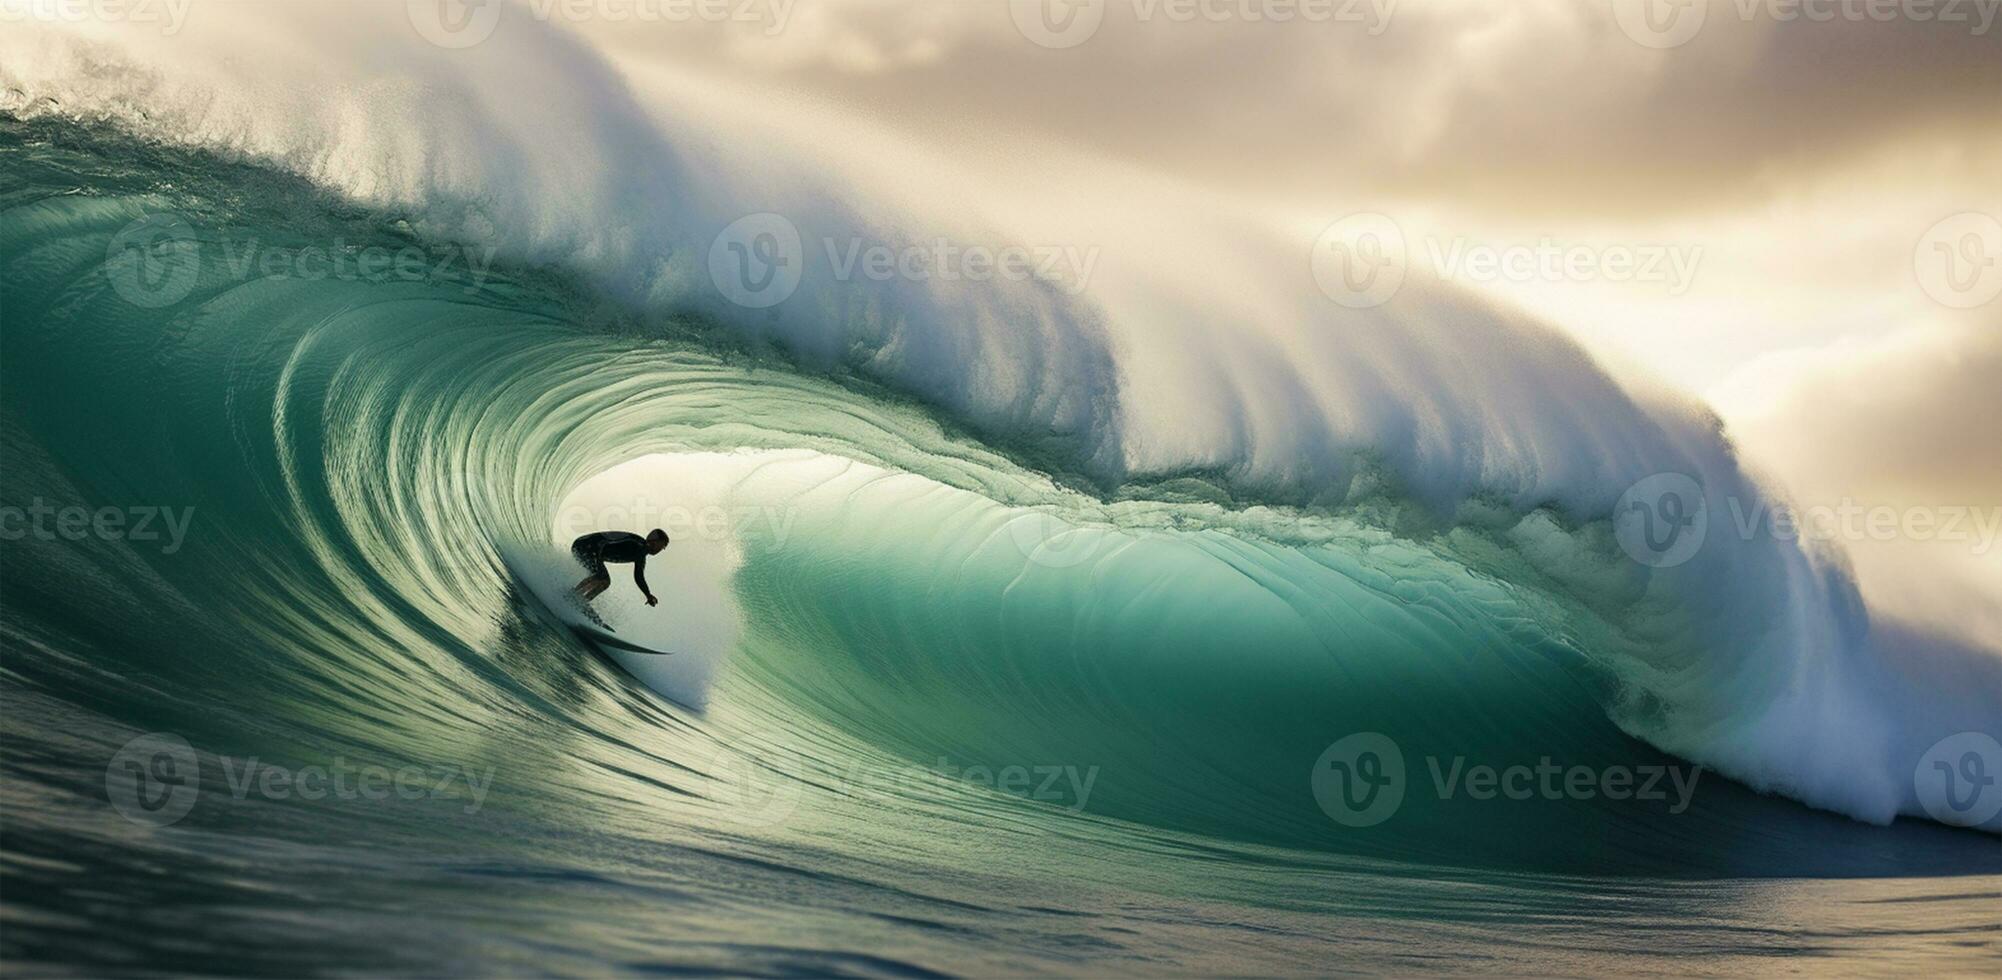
652	601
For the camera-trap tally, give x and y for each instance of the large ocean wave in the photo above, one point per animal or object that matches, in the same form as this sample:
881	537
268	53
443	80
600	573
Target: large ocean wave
1182	537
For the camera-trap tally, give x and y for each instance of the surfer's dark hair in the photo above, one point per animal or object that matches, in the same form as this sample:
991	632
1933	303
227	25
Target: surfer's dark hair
657	532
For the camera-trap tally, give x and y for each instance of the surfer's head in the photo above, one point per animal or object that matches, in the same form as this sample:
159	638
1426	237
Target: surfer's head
656	539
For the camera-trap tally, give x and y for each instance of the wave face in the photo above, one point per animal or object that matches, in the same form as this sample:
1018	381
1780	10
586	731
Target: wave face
958	544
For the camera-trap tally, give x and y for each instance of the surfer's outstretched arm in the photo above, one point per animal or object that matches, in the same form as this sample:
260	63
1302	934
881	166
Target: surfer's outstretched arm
639	579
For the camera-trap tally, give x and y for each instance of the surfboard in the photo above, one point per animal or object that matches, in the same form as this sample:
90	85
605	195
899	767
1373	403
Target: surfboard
605	639
565	608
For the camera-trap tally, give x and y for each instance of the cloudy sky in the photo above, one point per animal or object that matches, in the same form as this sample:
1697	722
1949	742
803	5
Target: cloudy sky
1796	165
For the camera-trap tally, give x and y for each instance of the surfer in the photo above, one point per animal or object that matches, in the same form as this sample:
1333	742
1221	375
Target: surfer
594	550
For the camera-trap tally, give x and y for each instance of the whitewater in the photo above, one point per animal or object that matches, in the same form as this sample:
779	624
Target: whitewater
978	584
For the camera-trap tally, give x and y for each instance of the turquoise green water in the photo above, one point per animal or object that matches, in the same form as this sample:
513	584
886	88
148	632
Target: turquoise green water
971	717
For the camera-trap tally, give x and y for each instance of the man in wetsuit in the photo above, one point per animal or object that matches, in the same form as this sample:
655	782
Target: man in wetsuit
594	550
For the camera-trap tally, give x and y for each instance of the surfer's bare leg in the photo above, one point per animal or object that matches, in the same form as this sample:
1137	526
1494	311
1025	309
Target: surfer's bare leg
589	589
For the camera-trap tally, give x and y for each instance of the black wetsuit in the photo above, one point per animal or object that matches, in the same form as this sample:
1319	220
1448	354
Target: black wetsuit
594	550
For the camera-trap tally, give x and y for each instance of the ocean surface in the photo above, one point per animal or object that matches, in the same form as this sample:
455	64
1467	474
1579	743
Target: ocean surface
965	678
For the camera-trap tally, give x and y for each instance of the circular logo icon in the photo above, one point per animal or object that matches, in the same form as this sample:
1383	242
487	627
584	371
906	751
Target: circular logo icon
1661	24
1956	779
1359	781
154	779
154	261
1047	541
756	262
1057	23
752	787
1360	260
1959	261
1662	520
455	24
